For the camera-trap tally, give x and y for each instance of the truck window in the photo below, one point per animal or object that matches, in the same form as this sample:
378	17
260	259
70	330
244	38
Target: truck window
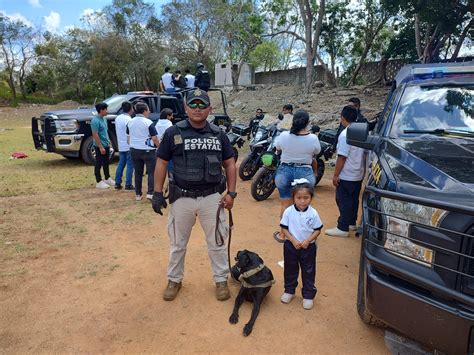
425	108
169	103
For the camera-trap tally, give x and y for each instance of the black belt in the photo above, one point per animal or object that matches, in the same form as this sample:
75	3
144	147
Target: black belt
297	164
199	193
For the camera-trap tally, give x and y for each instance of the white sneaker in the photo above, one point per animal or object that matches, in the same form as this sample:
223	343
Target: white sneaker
149	196
353	228
110	181
286	298
336	232
307	304
102	185
138	197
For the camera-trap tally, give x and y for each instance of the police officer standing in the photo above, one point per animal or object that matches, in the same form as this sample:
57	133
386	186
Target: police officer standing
199	150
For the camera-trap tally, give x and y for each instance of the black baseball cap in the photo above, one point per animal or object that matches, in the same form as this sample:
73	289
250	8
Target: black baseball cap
197	94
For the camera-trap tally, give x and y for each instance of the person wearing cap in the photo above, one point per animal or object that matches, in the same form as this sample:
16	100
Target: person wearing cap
255	121
285	117
199	151
355	103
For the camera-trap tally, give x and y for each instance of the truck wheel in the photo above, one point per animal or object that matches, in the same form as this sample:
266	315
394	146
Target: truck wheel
87	151
364	314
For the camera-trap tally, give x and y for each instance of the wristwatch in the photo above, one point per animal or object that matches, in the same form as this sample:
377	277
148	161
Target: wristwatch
232	194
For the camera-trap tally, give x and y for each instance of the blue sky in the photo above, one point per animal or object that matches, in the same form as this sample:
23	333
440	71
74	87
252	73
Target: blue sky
55	15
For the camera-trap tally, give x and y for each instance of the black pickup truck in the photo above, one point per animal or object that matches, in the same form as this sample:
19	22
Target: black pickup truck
68	132
417	254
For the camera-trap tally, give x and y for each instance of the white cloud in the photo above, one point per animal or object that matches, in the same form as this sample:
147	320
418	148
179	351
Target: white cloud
16	16
52	21
35	3
87	12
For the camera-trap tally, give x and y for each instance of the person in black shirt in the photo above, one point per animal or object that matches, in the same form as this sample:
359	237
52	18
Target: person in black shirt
199	150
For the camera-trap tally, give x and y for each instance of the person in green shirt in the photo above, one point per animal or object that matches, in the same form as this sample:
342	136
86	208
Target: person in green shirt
101	146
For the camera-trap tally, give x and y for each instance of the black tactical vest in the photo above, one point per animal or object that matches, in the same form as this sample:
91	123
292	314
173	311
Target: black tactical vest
201	159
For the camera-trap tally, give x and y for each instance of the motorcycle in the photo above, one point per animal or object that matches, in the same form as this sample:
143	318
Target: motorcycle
264	183
258	145
234	133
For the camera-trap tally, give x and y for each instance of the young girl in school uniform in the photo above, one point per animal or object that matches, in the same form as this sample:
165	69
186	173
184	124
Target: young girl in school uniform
301	225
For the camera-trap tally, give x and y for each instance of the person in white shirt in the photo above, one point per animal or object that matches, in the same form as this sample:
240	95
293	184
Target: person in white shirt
301	226
348	175
125	159
143	143
297	148
189	79
166	83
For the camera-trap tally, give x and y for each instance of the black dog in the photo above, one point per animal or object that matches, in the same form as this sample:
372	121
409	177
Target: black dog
256	279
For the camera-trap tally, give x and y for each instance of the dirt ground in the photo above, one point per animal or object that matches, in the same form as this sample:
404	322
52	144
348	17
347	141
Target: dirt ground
84	271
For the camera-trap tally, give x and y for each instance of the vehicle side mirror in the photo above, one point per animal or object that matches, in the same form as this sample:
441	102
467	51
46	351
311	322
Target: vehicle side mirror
358	135
315	129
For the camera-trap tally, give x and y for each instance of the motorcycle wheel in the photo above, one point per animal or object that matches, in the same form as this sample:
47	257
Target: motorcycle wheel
247	169
321	168
263	185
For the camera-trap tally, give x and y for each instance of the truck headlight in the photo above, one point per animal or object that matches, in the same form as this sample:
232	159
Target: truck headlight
396	242
66	126
413	212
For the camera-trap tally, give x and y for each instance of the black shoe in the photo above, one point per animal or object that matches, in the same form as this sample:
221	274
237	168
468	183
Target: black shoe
129	188
118	187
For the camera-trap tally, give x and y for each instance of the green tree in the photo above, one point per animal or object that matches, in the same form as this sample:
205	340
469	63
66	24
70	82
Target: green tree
266	56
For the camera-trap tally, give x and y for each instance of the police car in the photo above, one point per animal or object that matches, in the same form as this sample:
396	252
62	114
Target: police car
417	256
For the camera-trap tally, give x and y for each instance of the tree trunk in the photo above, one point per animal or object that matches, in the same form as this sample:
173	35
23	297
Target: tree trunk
461	39
419	50
235	73
331	79
367	46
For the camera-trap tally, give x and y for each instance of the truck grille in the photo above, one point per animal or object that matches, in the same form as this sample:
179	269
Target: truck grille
47	125
468	282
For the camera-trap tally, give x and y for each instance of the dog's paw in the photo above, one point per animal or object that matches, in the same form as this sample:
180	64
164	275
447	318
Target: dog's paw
247	329
234	318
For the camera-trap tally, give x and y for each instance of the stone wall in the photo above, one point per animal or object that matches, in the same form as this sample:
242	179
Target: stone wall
368	73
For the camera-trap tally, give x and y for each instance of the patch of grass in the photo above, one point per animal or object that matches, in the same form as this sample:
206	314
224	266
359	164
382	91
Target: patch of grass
41	171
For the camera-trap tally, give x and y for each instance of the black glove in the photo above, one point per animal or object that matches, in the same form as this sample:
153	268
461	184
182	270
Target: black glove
158	202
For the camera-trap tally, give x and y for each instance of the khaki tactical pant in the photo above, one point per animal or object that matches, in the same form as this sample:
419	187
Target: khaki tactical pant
181	220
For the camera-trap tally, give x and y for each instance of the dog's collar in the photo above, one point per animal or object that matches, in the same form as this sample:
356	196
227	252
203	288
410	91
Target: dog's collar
264	284
252	272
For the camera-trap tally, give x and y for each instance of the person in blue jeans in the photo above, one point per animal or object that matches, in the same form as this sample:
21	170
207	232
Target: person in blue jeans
297	149
125	159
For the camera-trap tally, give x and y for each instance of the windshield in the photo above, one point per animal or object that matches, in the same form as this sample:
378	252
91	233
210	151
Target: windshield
115	103
426	109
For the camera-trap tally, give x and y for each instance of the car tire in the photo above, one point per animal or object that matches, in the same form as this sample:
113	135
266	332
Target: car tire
87	155
364	314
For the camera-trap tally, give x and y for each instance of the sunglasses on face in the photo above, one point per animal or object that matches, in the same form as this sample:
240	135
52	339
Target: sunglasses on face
199	106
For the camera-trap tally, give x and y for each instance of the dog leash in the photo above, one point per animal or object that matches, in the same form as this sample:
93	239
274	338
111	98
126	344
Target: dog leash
219	237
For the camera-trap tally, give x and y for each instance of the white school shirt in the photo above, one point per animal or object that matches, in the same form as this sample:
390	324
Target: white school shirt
167	79
139	131
190	79
353	169
301	224
297	149
161	126
121	122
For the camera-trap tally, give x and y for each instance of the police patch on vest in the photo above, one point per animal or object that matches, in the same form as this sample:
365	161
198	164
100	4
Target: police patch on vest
211	143
178	139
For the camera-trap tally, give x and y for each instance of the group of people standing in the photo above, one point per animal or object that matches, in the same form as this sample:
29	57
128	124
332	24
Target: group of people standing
172	82
201	153
137	139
